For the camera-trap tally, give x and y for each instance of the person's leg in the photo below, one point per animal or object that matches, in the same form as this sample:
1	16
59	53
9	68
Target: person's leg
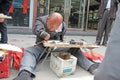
82	60
3	30
107	31
101	27
110	66
29	61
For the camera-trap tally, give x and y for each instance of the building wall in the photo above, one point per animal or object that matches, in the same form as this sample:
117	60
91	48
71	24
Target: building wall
74	12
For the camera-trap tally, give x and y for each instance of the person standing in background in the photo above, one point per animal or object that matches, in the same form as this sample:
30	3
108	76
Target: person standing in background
18	13
106	16
109	69
4	8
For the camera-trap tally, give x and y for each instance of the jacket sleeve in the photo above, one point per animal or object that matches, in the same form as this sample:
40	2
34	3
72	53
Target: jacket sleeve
113	9
39	29
101	9
5	6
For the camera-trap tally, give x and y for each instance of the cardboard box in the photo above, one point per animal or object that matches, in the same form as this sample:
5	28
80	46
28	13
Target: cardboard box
62	67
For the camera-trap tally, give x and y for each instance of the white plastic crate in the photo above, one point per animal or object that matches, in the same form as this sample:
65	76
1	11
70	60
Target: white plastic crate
62	67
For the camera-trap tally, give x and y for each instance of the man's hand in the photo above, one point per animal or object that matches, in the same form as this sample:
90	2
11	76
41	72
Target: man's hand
2	19
47	37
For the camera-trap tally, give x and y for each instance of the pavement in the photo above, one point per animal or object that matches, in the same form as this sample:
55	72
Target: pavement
44	72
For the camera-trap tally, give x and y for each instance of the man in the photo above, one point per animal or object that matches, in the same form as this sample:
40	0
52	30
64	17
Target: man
106	15
110	67
46	28
4	8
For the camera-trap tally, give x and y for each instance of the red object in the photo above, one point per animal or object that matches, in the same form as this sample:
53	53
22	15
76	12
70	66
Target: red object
5	67
17	57
25	6
6	63
11	8
93	56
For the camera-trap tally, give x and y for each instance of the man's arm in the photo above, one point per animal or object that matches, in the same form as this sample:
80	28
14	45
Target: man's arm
39	29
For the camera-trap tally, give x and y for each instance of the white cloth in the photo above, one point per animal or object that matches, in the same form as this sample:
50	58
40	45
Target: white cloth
59	28
9	47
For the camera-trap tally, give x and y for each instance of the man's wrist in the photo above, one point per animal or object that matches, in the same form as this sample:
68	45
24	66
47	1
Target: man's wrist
43	34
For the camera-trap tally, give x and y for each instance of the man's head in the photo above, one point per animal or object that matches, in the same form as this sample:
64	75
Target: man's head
54	21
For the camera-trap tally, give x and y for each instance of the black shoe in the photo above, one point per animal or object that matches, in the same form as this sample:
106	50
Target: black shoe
93	68
104	44
24	75
97	43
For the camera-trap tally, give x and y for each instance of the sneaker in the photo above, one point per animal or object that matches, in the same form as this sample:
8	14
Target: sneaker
93	68
24	75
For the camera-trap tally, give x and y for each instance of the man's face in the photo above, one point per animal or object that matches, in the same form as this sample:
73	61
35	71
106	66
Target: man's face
53	24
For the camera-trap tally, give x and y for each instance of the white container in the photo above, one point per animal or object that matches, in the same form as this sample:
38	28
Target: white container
62	67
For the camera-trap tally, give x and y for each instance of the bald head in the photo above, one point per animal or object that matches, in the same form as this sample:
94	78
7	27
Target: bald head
53	21
56	15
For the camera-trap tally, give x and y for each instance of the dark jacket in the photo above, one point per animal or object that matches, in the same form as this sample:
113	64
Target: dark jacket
102	8
40	26
5	6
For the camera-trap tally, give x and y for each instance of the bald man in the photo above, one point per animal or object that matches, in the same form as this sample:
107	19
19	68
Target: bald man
50	27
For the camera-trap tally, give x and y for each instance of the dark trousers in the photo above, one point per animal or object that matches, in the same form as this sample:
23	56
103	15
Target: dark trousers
104	28
32	56
3	31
